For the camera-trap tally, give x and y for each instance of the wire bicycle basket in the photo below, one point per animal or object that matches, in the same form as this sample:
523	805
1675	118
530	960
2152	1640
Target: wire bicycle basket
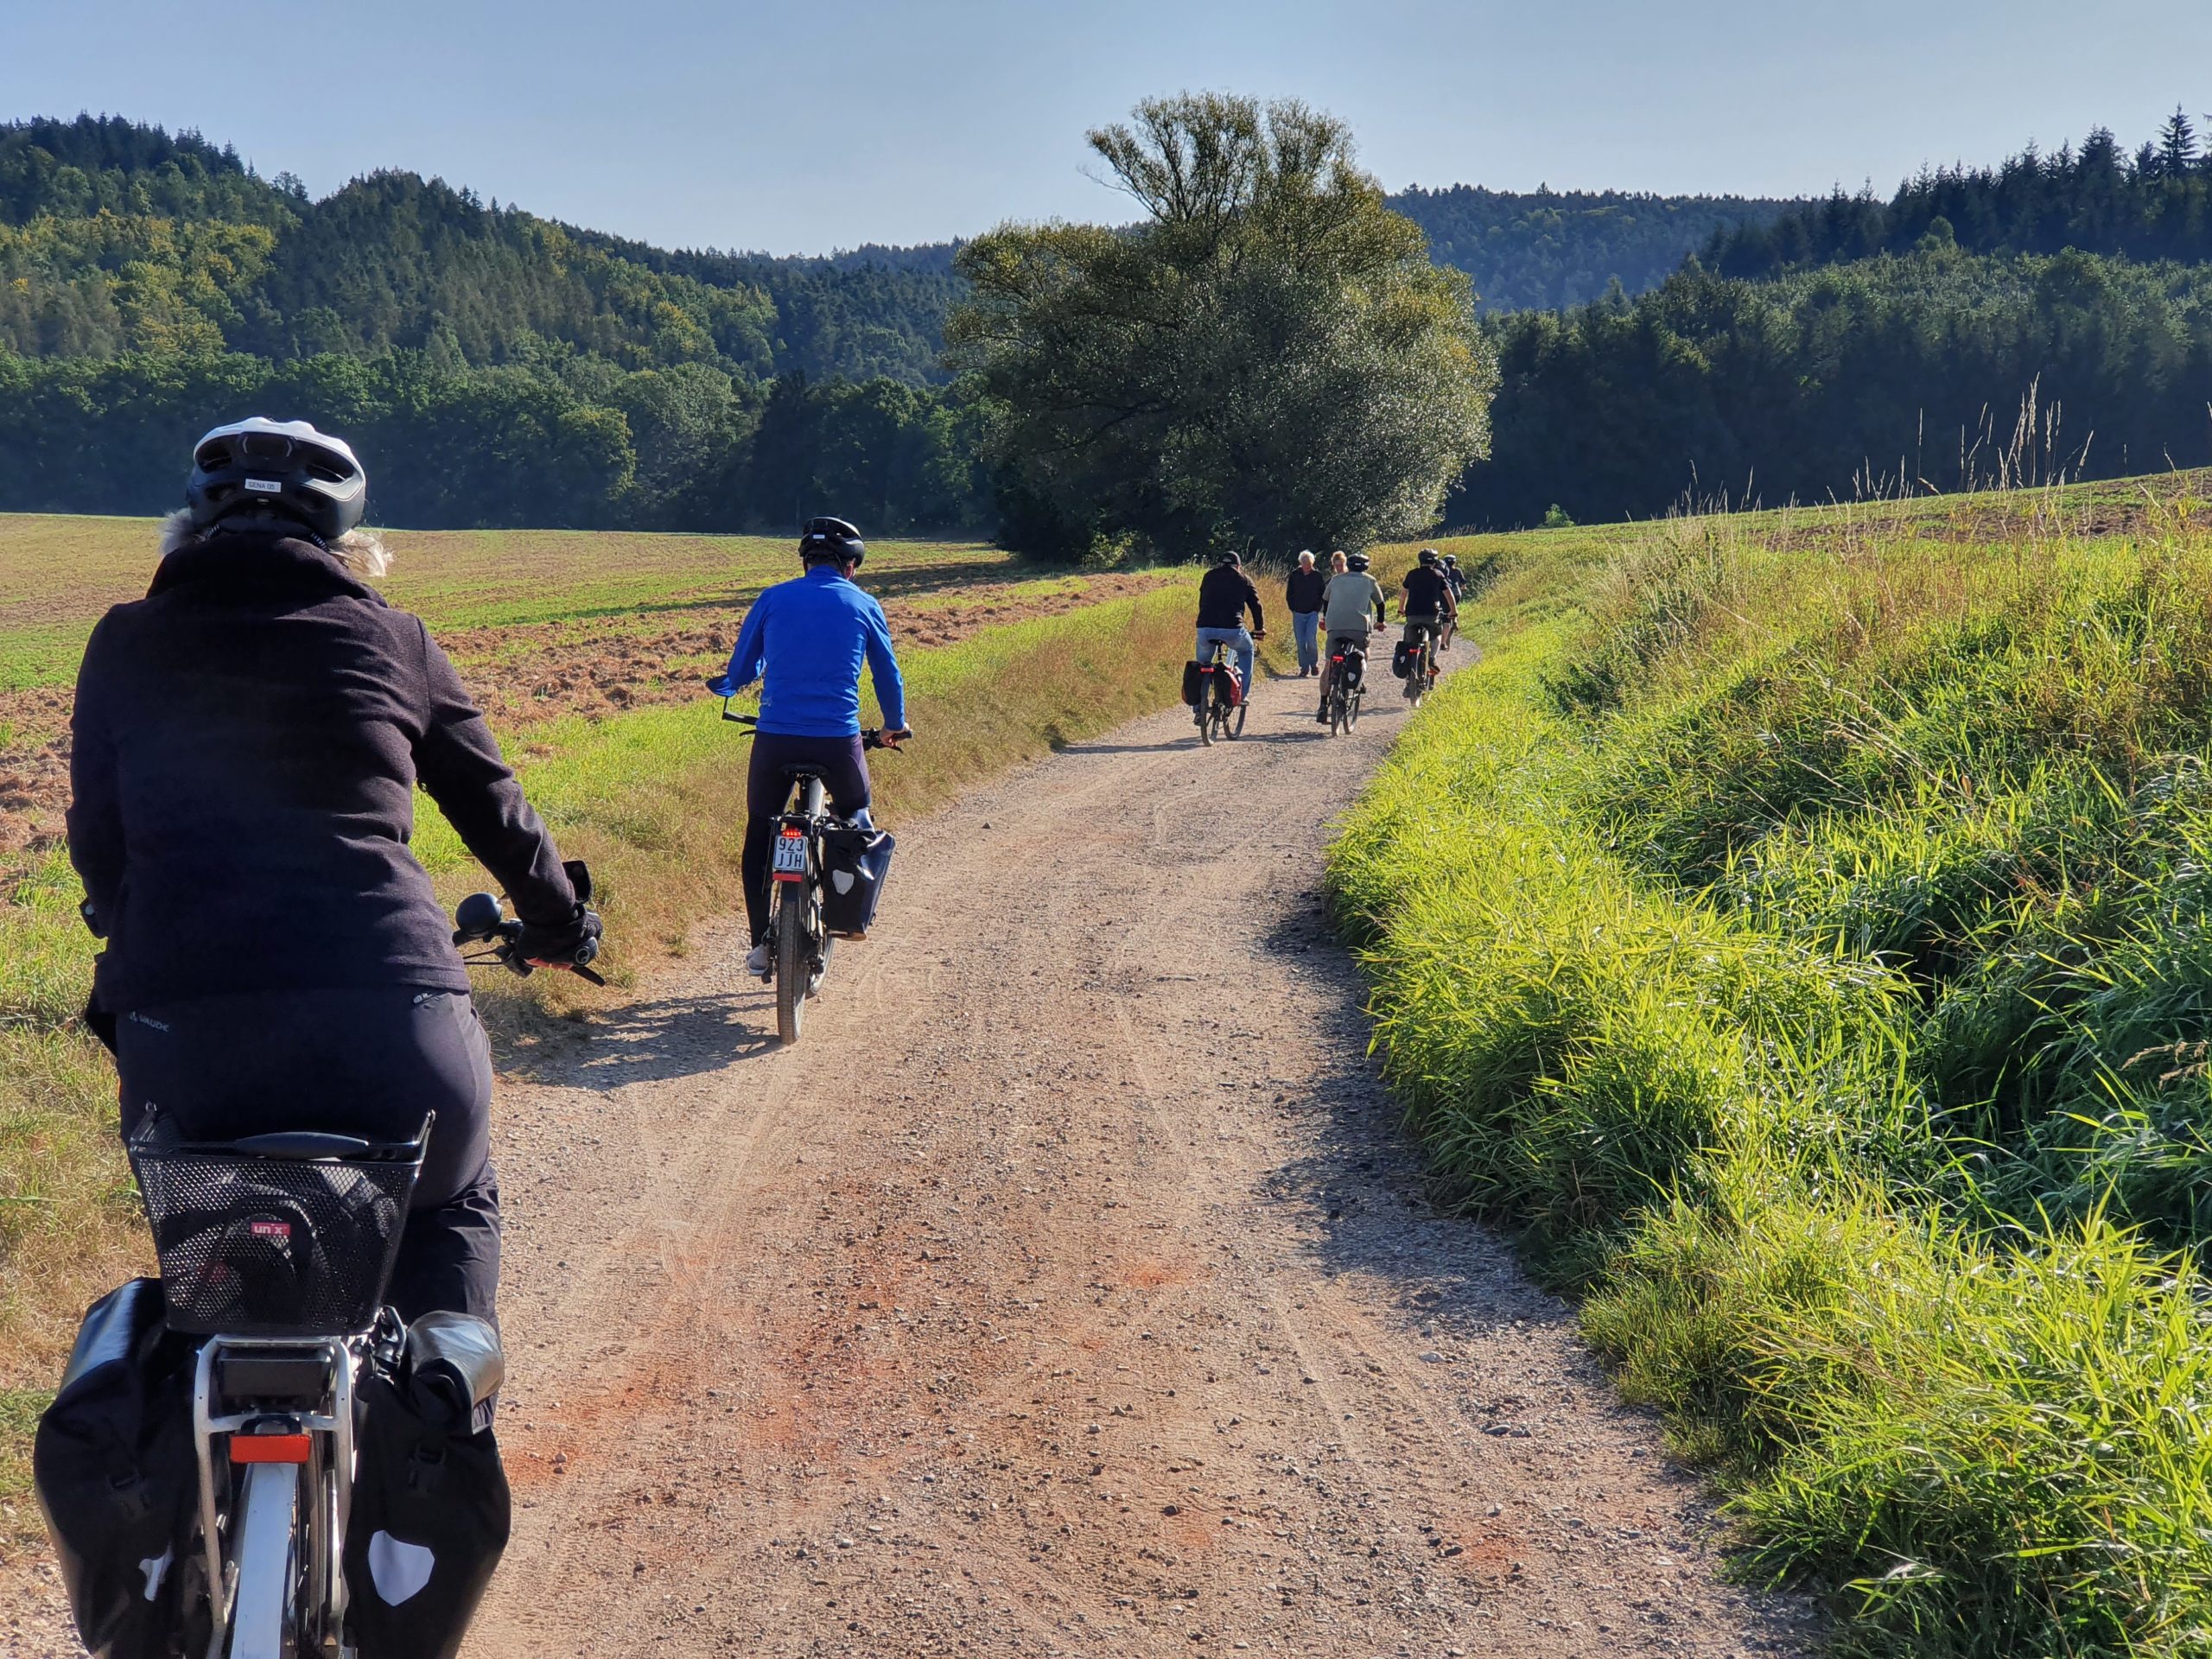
275	1235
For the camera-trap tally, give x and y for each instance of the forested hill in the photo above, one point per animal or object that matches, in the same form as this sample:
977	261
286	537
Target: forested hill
1552	248
2154	202
119	238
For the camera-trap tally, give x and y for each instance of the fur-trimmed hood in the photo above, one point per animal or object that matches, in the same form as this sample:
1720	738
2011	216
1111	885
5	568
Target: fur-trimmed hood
359	550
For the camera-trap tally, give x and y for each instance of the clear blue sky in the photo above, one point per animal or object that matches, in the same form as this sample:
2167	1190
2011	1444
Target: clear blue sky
799	127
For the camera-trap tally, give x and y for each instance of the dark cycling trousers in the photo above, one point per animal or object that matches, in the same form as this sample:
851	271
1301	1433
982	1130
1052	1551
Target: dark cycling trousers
366	1063
844	766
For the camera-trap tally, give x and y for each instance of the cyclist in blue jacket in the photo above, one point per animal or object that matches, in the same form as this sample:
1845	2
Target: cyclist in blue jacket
804	641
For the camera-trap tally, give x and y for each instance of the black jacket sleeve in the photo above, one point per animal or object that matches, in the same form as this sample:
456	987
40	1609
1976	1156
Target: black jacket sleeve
1252	598
461	766
95	817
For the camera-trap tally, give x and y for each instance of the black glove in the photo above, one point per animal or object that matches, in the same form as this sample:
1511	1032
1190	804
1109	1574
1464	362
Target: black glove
574	943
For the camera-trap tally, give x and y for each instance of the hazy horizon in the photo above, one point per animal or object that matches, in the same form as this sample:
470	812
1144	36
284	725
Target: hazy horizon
760	129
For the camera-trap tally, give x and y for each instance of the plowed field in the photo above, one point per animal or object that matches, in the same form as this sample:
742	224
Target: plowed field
541	624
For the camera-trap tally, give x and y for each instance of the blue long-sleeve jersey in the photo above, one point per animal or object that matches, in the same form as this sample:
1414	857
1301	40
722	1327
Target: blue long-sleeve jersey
805	641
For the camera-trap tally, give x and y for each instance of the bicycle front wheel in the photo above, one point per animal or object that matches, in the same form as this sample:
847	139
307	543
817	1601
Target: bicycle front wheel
794	959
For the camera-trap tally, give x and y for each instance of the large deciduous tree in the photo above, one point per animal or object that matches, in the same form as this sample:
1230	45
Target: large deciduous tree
1268	359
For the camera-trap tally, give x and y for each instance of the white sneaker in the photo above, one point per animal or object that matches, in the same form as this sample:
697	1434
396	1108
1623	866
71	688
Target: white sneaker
757	962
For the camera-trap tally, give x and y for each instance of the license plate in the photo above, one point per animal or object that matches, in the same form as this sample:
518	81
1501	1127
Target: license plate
791	858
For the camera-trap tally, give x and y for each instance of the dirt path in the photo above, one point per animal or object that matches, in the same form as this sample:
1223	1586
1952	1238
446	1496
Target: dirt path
1070	1290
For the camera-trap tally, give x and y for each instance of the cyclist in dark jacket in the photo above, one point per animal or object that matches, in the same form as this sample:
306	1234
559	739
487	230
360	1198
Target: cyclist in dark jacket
247	740
1225	593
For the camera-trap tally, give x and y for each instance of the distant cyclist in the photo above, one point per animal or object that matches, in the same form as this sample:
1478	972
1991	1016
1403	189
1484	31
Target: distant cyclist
248	740
1458	578
1224	594
1426	602
804	641
1352	598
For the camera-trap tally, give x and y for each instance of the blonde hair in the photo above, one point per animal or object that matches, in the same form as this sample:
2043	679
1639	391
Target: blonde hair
360	551
1338	563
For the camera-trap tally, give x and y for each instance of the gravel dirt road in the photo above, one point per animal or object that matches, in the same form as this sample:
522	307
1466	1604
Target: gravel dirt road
1070	1289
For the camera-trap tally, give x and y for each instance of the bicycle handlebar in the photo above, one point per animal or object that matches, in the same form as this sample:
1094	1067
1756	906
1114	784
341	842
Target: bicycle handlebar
872	738
481	919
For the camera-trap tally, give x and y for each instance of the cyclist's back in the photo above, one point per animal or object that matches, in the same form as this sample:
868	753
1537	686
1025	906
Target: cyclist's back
805	641
1353	605
1428	595
248	738
1352	601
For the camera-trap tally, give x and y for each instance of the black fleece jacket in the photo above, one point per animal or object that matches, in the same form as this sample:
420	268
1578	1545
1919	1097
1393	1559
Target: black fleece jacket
1225	593
247	741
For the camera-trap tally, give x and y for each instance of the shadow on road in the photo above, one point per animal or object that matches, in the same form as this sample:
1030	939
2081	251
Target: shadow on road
650	1042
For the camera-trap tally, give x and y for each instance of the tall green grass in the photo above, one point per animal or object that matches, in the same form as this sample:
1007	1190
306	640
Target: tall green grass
1807	938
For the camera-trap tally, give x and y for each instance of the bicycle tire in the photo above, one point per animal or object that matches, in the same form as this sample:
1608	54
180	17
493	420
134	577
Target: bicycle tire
267	1542
793	968
1236	725
1352	711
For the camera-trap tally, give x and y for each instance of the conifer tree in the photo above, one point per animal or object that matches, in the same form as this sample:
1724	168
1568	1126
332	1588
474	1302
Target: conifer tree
2177	146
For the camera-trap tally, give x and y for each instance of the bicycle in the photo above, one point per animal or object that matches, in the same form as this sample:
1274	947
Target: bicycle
276	1251
1347	687
1222	700
1420	660
799	945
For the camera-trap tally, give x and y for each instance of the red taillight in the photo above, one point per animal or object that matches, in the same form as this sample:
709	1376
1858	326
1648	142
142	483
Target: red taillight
269	1448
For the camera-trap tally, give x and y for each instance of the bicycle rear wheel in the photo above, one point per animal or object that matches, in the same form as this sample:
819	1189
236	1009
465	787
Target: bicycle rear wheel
1237	721
267	1554
794	961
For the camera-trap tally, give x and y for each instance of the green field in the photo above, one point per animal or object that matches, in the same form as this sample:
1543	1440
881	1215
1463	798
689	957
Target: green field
1799	929
1001	664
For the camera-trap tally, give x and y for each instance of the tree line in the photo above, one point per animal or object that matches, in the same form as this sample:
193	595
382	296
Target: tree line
1895	371
569	441
1205	378
2153	203
1551	249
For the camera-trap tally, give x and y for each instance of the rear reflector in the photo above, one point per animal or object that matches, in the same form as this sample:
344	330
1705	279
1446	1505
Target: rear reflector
269	1448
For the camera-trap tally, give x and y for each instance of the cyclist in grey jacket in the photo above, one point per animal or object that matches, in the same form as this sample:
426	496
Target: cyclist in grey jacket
1347	606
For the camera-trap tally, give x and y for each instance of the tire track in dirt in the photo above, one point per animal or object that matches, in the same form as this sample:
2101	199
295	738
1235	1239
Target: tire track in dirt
1070	1289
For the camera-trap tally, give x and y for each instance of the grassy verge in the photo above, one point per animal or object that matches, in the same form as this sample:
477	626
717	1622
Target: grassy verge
653	799
1799	928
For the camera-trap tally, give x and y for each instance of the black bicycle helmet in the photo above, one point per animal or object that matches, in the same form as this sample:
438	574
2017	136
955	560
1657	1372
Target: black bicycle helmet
1235	559
1359	562
1428	555
832	540
282	469
1451	561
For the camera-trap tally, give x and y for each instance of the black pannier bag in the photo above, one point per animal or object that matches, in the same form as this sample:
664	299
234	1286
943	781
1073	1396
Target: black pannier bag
1194	684
1402	663
116	1477
1355	665
855	863
431	1509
